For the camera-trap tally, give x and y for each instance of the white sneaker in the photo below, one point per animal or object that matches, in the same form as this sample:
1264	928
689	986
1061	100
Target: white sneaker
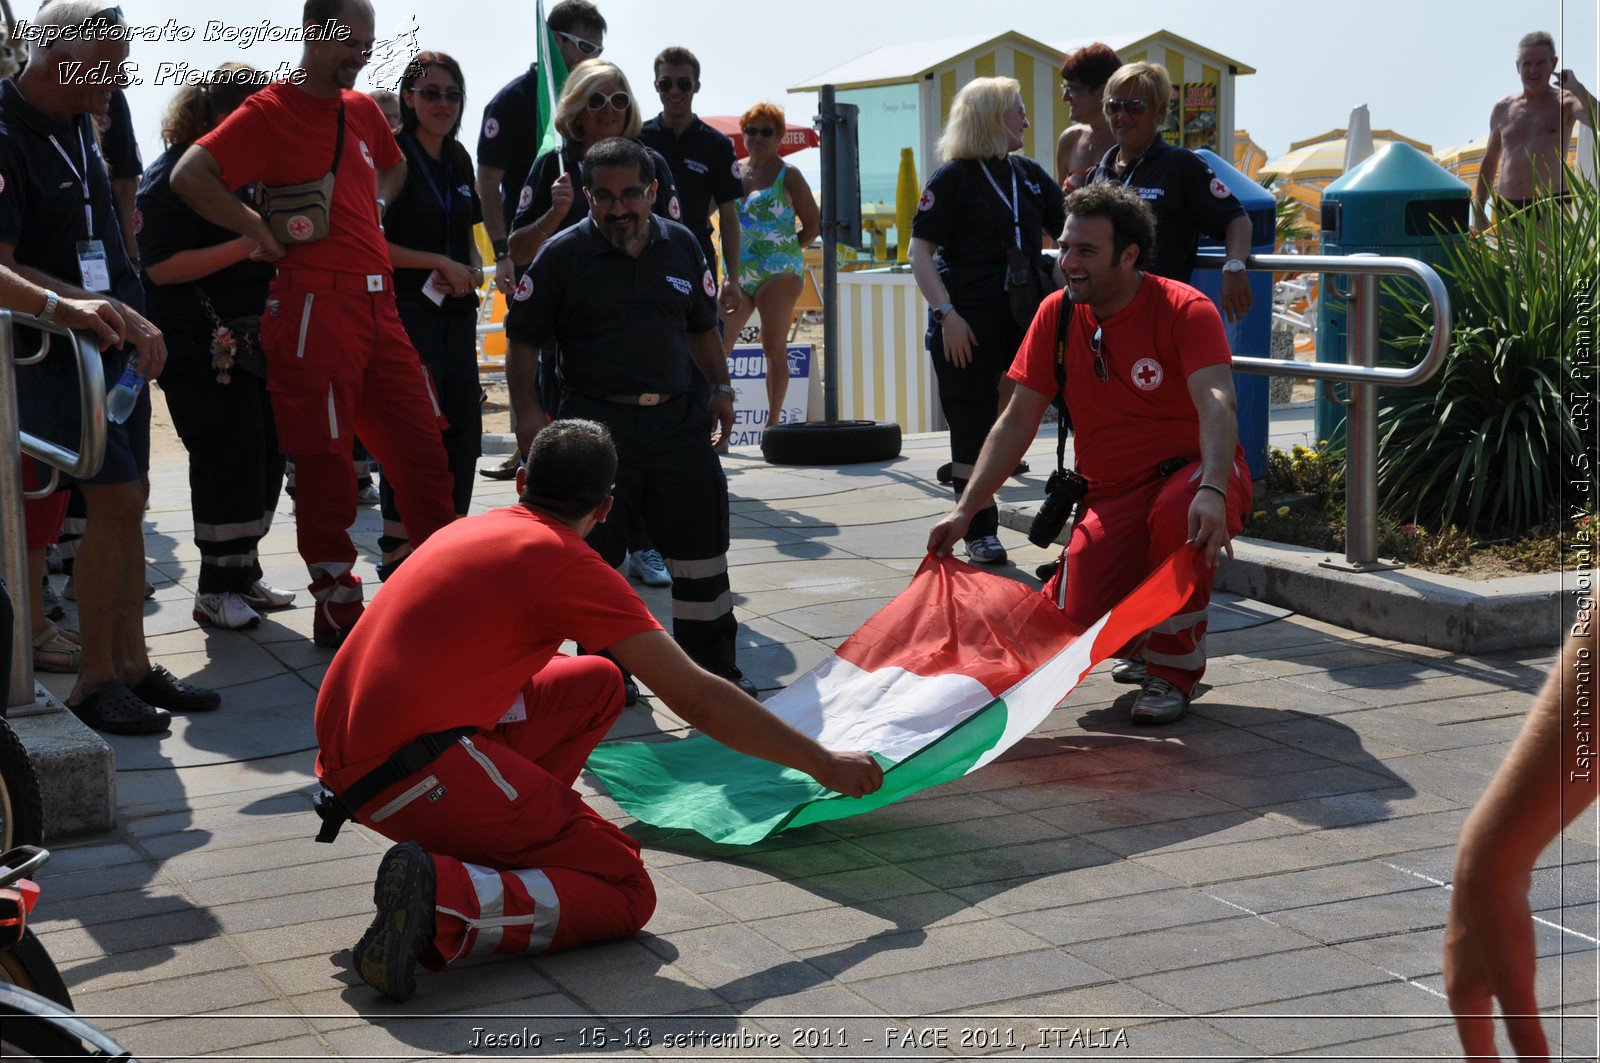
648	568
262	597
367	494
986	550
225	610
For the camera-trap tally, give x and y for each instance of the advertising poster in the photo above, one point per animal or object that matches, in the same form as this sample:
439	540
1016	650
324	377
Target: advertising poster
747	367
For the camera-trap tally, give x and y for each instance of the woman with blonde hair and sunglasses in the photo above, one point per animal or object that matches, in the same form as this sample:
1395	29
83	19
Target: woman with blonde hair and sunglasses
778	217
984	215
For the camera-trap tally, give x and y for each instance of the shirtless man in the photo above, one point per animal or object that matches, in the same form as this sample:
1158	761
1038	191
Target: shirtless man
1085	142
1531	129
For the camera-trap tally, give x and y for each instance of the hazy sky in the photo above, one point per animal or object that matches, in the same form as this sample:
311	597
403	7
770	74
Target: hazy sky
1430	69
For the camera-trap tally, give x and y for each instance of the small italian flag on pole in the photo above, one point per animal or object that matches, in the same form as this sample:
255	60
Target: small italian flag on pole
941	681
552	76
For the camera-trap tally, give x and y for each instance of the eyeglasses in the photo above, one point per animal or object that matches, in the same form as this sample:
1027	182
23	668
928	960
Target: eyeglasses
760	131
1071	88
618	100
683	84
433	94
630	197
586	48
1135	108
1099	355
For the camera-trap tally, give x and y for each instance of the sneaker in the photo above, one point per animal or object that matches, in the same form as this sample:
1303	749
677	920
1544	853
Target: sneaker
263	597
986	550
647	567
53	608
367	494
1159	702
733	675
386	956
226	610
1130	670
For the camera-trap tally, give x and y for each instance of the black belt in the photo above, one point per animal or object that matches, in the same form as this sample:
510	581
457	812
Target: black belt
649	398
338	809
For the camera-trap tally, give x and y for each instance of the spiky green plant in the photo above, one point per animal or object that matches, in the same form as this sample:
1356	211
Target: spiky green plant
1486	444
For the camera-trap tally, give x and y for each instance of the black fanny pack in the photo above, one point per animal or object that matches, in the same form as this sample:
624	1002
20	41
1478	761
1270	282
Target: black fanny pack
338	809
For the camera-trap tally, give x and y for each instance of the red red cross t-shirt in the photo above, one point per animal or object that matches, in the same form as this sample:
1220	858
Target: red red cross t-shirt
282	135
1142	414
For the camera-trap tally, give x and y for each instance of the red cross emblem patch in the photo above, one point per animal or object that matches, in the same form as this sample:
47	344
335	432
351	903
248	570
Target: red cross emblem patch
1147	374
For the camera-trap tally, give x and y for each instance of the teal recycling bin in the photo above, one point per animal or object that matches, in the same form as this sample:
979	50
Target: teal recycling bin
1396	202
1251	337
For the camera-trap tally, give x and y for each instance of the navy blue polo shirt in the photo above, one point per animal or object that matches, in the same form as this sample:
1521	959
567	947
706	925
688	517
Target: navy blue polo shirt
1188	200
971	223
170	225
42	195
622	323
704	167
508	139
534	198
417	218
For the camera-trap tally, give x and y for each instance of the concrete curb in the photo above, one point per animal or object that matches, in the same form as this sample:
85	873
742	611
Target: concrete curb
1425	608
77	771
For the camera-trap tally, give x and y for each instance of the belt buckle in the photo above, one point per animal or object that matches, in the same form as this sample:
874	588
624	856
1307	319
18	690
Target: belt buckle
650	398
374	282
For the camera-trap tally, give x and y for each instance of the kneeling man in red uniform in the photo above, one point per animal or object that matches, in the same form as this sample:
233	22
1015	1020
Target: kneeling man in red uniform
449	723
1149	384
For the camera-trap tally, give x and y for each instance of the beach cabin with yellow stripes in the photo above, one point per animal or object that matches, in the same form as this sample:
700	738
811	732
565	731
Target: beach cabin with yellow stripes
904	92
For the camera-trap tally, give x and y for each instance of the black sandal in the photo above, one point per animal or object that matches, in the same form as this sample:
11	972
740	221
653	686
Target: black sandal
113	707
164	690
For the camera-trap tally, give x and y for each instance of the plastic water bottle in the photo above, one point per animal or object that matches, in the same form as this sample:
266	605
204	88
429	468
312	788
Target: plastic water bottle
120	399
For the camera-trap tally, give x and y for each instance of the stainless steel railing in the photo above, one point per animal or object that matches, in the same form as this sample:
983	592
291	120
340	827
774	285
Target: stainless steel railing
85	461
1362	373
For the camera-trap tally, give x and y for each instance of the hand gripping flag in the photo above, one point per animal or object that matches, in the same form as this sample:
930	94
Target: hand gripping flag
954	671
552	77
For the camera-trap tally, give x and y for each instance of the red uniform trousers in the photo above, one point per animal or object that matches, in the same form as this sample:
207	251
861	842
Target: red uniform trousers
1120	538
340	365
522	864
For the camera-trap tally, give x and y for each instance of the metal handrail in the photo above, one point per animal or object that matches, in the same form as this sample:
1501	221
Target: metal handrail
1363	373
82	462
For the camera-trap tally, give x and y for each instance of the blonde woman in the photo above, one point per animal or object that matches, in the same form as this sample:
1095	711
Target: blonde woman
778	217
984	209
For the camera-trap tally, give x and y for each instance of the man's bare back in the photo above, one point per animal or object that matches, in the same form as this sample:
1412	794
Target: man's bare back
1529	131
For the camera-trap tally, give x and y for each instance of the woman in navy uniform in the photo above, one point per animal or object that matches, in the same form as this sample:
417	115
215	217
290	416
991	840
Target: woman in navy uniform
978	212
199	277
437	272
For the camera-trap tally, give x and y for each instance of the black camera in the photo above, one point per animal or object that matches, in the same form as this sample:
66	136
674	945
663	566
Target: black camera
1061	497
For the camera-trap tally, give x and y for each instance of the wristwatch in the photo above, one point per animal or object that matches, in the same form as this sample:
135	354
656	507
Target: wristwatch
501	248
1233	265
939	312
51	301
725	389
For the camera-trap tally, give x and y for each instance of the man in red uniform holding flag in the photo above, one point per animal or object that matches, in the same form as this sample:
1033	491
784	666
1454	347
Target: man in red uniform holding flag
435	735
1149	383
339	361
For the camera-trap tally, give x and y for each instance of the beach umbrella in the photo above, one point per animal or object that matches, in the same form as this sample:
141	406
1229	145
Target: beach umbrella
795	137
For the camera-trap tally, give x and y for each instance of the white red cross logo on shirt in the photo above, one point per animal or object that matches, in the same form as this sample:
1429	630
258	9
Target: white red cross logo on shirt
1147	374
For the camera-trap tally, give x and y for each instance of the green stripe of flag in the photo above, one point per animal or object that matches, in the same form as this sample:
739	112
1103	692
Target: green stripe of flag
552	76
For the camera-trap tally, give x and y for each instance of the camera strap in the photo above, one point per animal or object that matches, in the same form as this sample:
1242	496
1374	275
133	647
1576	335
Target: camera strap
1063	418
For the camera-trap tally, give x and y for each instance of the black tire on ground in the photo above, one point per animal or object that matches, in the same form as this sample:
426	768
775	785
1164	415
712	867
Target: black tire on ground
831	443
21	806
28	966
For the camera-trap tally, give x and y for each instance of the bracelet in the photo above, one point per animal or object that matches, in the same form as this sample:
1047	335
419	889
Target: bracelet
1219	490
501	248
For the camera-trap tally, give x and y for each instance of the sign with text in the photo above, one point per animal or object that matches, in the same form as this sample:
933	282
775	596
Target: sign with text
747	367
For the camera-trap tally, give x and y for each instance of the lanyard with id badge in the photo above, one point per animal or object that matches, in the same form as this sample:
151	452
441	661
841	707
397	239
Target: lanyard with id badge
94	267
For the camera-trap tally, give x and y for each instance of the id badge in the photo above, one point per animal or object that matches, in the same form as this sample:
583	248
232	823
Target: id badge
435	288
93	266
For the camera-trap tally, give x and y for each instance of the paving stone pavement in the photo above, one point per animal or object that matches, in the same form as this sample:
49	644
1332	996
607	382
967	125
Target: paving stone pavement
1264	879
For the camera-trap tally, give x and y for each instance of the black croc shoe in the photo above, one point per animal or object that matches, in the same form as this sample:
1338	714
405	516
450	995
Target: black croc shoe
386	956
114	708
164	690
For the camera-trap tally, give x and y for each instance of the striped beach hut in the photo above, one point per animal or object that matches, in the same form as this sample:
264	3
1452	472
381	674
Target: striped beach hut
904	91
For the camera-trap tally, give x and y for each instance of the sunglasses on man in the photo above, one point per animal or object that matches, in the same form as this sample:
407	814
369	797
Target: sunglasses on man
588	49
683	84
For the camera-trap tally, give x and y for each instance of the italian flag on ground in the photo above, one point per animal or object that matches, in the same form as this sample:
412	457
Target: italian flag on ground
941	681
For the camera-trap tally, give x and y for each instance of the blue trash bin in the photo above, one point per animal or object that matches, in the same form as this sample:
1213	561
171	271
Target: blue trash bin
1251	337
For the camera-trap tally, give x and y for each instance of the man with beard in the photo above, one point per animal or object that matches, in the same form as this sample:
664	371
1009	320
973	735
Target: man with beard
340	362
628	299
1147	376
